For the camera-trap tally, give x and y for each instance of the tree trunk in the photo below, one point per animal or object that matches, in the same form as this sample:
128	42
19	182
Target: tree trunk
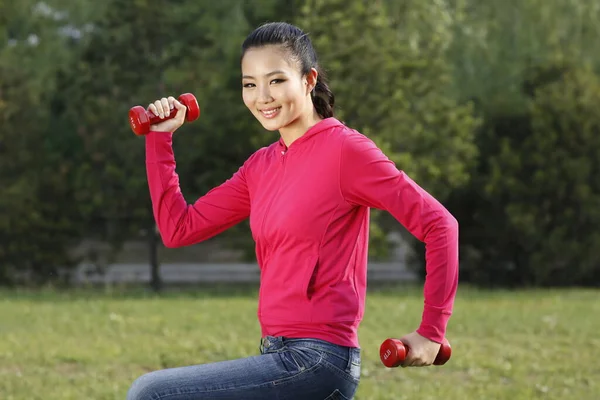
155	280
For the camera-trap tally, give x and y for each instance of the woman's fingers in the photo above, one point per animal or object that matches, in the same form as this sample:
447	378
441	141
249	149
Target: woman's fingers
166	106
152	109
159	108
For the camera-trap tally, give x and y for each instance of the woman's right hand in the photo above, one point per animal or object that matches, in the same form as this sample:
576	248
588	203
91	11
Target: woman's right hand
165	107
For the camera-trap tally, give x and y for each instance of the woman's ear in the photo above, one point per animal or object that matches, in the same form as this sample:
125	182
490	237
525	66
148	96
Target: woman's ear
311	80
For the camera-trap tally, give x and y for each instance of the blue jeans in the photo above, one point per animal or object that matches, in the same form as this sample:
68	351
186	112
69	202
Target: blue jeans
287	369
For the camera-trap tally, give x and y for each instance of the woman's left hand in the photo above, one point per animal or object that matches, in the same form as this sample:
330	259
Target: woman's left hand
421	351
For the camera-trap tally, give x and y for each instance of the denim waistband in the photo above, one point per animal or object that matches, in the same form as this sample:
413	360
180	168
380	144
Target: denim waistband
271	344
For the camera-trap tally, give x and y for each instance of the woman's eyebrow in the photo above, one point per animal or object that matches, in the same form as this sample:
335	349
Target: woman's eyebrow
267	75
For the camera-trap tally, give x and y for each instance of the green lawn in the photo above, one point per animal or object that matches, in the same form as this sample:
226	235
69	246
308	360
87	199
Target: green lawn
92	345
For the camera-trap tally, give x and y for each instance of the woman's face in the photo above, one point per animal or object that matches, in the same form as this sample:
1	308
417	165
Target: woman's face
273	87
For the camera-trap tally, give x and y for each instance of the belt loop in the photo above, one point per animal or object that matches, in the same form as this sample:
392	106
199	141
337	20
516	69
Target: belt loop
353	359
261	347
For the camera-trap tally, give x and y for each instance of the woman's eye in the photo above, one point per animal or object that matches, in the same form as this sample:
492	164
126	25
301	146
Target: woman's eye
251	85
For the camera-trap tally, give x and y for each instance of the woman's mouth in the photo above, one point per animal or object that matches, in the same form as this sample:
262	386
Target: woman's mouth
270	112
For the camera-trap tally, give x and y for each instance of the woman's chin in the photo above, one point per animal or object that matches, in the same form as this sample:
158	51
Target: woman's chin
271	126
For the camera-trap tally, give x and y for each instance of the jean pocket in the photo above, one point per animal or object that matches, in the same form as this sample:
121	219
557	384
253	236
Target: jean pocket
302	358
336	395
350	373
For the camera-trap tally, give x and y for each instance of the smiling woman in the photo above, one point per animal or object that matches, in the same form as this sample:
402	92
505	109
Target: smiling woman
283	85
307	196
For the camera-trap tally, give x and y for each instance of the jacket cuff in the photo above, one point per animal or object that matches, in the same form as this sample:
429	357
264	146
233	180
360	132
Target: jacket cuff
433	324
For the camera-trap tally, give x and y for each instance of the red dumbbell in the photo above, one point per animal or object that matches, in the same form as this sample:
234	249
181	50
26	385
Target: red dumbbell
393	353
140	119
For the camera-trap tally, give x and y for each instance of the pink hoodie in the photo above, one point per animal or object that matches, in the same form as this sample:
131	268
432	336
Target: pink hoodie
309	214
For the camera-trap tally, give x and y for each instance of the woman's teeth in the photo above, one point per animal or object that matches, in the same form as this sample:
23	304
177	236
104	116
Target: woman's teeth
271	112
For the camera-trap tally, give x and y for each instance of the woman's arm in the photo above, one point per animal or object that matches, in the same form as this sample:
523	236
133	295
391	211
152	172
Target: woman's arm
182	224
368	178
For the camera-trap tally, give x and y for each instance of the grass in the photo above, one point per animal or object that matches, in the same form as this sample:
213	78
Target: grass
86	344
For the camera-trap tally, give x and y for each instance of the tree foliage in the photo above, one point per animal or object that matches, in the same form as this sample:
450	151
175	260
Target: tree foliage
388	70
487	105
38	217
538	190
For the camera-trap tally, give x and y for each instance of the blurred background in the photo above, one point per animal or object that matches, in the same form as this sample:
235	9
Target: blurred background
493	106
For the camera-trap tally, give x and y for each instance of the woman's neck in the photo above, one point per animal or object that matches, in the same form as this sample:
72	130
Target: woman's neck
299	127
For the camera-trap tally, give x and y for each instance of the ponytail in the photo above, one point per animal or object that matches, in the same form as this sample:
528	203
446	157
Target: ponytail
323	98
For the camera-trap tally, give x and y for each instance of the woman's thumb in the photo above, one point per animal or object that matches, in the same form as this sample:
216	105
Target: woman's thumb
180	108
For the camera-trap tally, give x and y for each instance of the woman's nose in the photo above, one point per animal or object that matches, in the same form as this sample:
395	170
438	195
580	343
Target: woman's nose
264	94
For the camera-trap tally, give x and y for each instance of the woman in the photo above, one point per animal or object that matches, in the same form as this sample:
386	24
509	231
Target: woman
308	197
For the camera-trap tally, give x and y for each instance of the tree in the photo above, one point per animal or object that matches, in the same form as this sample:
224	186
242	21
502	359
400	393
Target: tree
37	217
388	71
139	52
507	56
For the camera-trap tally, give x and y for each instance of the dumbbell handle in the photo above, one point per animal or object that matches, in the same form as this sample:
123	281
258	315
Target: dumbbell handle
155	119
141	119
393	352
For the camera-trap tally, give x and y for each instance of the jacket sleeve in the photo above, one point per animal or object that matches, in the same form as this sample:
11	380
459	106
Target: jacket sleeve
368	178
182	224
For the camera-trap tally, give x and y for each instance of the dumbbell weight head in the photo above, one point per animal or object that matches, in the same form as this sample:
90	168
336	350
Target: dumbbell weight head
444	354
393	352
140	119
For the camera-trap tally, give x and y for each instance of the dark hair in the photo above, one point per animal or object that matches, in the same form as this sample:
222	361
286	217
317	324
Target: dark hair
294	40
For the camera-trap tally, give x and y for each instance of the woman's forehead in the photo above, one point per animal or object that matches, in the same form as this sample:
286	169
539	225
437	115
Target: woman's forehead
261	61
